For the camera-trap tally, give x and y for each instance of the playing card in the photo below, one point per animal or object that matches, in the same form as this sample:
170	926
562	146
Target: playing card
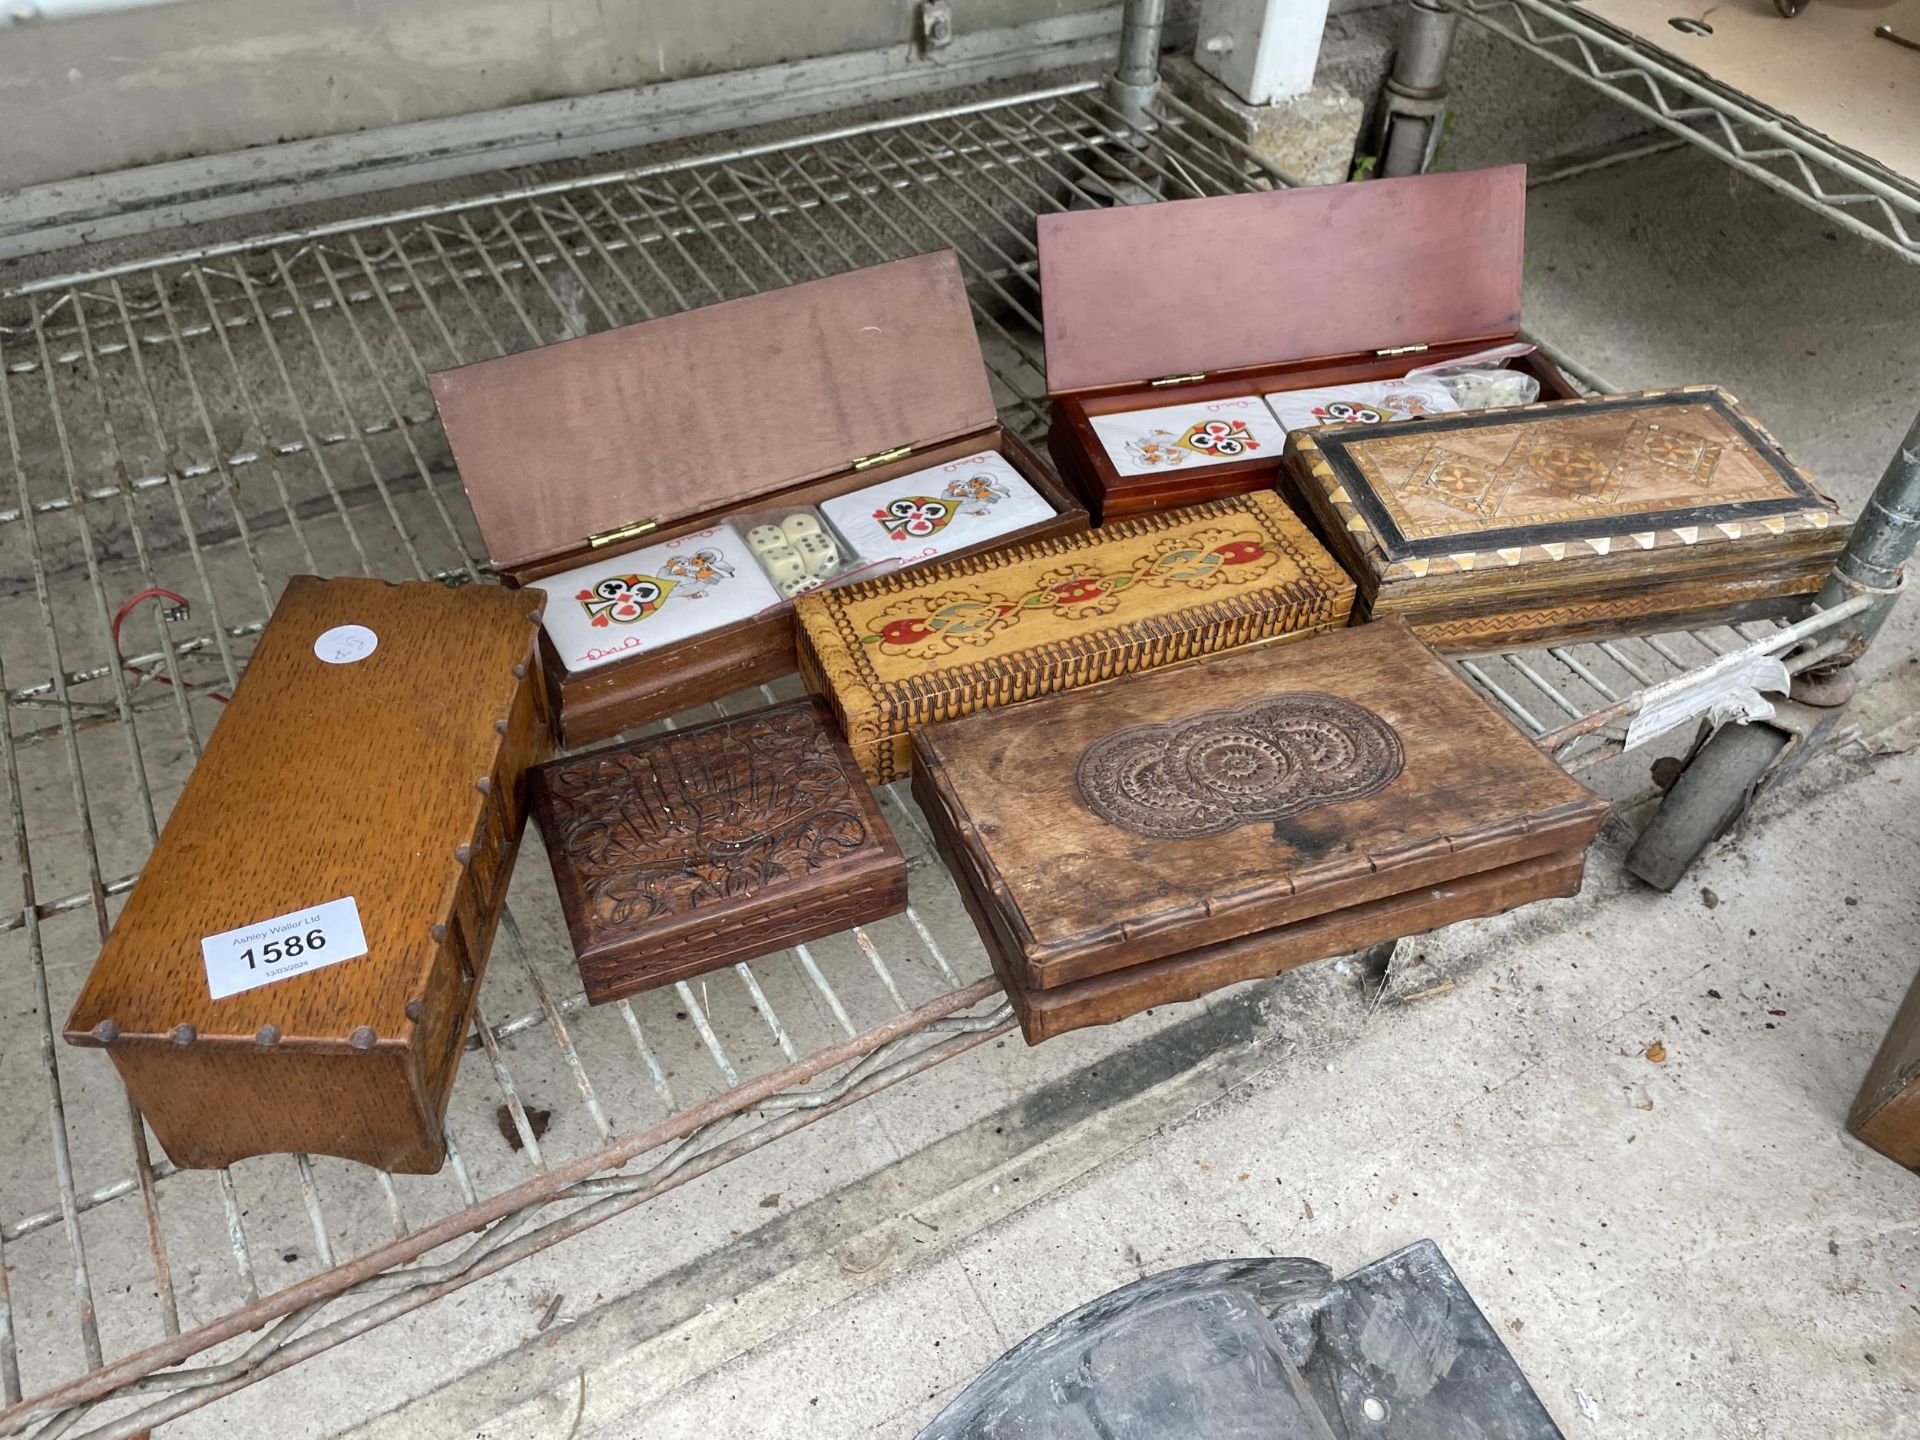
1372	402
935	511
647	598
1187	437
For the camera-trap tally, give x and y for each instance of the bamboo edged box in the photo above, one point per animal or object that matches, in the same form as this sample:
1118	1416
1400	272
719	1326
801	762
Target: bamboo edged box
1157	837
892	654
1208	304
297	967
665	444
699	848
1575	520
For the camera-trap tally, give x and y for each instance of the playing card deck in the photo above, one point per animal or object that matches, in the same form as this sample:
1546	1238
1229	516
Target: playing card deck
1373	403
639	601
935	511
1187	437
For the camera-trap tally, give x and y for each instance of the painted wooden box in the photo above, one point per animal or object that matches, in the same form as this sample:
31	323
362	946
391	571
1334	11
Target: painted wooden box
1578	519
297	966
696	848
1154	838
658	433
896	653
1206	305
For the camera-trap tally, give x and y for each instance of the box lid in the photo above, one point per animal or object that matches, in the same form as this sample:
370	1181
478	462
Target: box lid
328	778
1162	812
924	644
737	832
707	410
1571	485
1139	292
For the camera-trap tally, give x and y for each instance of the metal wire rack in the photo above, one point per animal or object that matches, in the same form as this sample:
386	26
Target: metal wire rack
1756	139
212	422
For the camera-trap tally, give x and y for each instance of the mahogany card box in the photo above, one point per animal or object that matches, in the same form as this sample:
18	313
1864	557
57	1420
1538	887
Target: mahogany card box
1577	519
905	650
1203	301
297	966
1164	834
614	442
696	848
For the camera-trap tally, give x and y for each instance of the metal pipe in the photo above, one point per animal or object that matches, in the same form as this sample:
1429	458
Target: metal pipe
1416	91
1882	541
1138	70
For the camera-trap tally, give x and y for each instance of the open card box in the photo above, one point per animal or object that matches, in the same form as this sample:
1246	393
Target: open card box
1213	303
653	440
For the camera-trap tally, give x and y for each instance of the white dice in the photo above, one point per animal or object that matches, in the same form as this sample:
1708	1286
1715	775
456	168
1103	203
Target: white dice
783	563
797	526
821	555
762	538
799	585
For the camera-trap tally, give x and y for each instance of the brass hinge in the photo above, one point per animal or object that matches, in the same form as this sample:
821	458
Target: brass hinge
867	462
621	532
1402	350
1165	380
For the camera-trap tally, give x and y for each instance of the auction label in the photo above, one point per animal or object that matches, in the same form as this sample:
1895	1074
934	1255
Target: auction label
291	944
344	644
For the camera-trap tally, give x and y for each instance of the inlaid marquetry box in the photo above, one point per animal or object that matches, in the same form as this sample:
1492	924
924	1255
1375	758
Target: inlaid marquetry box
1580	519
1156	837
1212	303
696	848
296	968
652	435
896	653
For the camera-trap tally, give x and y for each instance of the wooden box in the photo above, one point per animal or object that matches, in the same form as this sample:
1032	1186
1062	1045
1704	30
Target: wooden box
1195	301
1886	1112
693	849
1577	519
606	444
364	789
902	651
1156	837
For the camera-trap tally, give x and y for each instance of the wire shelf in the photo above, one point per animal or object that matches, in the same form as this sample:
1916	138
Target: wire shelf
213	422
1847	188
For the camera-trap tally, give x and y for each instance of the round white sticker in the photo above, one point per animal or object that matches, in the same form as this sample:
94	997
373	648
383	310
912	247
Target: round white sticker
345	644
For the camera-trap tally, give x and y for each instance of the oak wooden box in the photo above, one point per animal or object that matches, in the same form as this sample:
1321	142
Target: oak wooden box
612	442
1158	836
694	849
902	651
396	779
1239	295
1886	1112
1578	519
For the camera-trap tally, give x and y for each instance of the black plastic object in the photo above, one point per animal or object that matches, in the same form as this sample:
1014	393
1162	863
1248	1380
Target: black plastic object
1261	1350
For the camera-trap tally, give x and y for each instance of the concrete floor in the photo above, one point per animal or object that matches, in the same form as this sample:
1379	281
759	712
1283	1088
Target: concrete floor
1751	1269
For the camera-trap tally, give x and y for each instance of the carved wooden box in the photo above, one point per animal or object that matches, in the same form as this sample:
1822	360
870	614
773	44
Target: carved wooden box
621	441
1156	837
1584	518
696	848
1219	300
896	653
354	818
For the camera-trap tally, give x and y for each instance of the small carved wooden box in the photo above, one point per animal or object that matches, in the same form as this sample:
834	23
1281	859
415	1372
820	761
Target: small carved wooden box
297	968
906	650
1579	519
1159	836
693	849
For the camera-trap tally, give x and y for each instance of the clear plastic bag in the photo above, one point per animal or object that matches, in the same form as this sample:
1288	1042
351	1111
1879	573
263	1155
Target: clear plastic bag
1490	389
1482	381
795	546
